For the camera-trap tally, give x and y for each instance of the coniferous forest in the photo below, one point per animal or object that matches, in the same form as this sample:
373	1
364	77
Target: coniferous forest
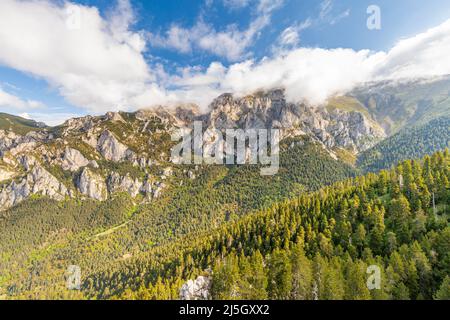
306	245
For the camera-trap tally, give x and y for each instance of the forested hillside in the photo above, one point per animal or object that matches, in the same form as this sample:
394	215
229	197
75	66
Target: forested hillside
313	246
101	193
41	237
410	143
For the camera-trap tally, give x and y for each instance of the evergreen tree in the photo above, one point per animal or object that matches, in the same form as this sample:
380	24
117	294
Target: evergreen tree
444	291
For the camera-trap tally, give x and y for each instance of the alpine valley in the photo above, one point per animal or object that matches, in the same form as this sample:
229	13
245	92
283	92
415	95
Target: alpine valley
363	180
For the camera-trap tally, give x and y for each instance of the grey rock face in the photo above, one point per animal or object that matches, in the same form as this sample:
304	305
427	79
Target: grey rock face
114	117
21	154
6	174
337	128
117	183
157	189
196	289
44	183
38	181
93	164
81	124
111	149
92	185
15	144
27	161
90	138
150	189
73	160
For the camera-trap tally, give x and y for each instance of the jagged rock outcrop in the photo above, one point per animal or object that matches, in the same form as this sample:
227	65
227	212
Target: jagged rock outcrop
111	149
6	174
72	160
15	144
157	189
90	138
70	145
38	181
117	183
352	130
149	188
180	116
92	185
335	128
76	125
114	117
44	183
27	161
198	289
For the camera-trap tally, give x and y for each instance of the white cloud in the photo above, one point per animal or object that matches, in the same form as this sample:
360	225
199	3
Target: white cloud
325	8
267	6
424	55
236	4
176	38
290	37
326	13
100	67
24	115
307	74
314	74
50	119
10	102
339	17
94	63
230	43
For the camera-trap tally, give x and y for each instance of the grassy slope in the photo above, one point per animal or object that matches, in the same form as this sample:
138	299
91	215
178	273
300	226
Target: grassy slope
18	125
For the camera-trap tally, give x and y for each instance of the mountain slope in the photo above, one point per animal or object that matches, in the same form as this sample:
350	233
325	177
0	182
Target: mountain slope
93	234
344	227
409	143
319	244
19	125
95	157
101	192
396	105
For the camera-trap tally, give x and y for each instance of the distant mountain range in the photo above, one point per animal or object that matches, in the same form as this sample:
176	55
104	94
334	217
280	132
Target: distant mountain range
100	190
89	156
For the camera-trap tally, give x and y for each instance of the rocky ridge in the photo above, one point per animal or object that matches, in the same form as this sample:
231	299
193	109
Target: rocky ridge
98	156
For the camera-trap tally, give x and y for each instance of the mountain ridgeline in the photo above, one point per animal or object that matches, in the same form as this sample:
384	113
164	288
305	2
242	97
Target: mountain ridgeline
409	143
101	193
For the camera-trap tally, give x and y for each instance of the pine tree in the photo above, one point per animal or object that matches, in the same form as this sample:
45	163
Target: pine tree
356	286
253	280
224	280
302	275
444	291
280	276
333	285
399	214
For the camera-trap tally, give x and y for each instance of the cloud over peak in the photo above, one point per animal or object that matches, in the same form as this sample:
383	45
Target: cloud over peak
98	63
315	74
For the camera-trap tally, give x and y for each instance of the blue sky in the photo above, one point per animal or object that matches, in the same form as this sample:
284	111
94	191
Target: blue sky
153	52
